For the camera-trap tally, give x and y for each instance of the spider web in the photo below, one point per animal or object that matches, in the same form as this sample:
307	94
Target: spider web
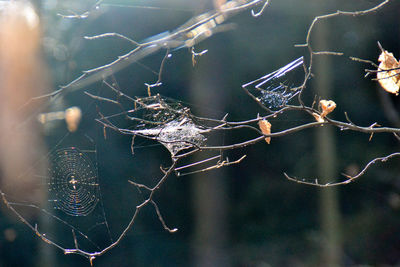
75	204
73	183
166	121
276	89
194	31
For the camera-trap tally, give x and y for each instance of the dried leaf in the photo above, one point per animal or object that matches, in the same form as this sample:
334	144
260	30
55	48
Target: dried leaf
265	128
327	106
388	73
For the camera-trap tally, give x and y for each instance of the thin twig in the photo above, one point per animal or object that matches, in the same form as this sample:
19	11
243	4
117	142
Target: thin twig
349	178
161	219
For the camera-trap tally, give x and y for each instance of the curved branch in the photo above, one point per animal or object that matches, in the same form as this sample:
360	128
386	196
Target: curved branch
349	178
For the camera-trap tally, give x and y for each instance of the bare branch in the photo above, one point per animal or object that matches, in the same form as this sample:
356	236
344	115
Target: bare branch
340	13
112	34
349	178
172	124
259	13
218	165
161	218
381	159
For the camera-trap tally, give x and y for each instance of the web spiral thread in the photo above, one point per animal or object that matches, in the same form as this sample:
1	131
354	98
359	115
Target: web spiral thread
73	182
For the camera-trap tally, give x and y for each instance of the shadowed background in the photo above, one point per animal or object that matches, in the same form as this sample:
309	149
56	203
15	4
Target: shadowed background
246	214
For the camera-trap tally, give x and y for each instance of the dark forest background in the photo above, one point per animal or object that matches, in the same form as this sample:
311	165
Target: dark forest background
246	214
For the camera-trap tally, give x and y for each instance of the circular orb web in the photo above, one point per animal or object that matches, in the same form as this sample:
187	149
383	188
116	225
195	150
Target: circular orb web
73	182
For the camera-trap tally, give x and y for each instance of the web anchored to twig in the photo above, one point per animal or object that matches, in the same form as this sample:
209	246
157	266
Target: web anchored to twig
73	182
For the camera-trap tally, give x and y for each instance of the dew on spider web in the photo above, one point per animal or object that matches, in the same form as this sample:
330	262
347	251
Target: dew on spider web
74	196
74	204
73	182
180	135
276	89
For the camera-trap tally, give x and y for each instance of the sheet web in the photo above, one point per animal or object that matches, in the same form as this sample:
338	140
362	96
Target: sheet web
165	120
74	206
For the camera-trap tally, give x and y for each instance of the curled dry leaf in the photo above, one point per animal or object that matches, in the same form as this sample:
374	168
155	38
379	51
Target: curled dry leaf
265	127
327	106
388	73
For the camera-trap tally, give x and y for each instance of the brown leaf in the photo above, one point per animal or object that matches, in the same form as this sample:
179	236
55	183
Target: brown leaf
388	73
327	106
265	128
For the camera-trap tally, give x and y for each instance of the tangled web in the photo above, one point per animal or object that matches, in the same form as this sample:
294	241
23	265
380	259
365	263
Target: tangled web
168	122
180	135
73	182
274	90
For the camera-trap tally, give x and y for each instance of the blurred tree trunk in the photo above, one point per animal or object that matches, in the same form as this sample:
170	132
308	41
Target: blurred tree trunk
326	157
22	76
209	189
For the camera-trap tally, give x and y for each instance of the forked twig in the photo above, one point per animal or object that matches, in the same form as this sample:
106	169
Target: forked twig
349	177
171	121
339	13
